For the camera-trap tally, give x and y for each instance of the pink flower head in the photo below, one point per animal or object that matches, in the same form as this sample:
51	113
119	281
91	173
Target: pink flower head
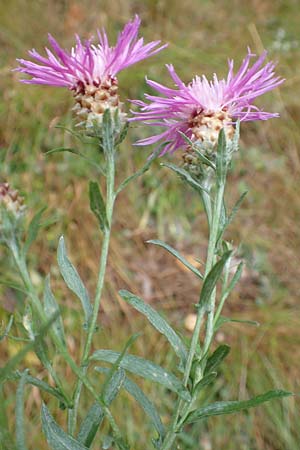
204	106
88	64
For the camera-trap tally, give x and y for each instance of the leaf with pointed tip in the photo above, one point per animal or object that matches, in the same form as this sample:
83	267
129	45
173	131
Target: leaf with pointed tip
50	307
222	320
95	415
159	323
139	172
42	385
221	157
145	369
63	149
216	358
7	328
56	437
97	204
137	393
177	255
33	230
20	426
186	176
230	407
195	148
212	279
205	381
72	278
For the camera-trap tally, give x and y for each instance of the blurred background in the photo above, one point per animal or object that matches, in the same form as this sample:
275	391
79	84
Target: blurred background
201	36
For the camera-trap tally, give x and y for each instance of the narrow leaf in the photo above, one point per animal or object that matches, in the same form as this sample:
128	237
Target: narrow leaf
90	425
20	426
56	437
205	381
222	320
216	358
15	360
7	328
107	132
135	391
95	415
97	204
42	385
145	369
159	323
51	306
139	172
33	229
13	285
212	279
219	408
186	176
72	278
221	163
63	149
177	255
122	134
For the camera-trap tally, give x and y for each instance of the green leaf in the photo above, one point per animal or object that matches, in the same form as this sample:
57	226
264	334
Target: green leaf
212	279
221	160
62	150
13	285
205	381
216	358
6	439
177	255
7	328
122	134
107	132
235	208
33	229
95	415
222	320
220	408
159	323
116	366
139	172
72	278
135	391
50	307
186	176
90	425
42	385
56	437
15	360
145	369
20	426
97	204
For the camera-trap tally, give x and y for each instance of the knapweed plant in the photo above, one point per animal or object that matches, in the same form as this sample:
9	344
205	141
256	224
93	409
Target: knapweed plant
202	121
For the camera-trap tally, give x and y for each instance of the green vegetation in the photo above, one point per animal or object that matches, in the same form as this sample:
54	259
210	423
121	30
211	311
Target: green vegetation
201	36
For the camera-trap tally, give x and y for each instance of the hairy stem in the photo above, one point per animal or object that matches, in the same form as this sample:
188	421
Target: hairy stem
110	198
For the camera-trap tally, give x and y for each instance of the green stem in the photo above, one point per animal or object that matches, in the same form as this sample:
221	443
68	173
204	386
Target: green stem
110	198
214	227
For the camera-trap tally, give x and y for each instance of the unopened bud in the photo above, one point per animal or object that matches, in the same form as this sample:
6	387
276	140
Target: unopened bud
12	210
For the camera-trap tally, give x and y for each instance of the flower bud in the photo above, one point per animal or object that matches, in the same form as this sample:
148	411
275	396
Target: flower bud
12	210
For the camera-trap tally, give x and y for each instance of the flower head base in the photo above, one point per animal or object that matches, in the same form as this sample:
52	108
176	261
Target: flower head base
90	69
200	109
12	210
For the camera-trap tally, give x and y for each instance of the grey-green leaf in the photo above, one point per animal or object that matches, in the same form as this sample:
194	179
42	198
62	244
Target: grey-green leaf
97	204
136	392
212	279
33	229
221	162
20	427
145	369
94	417
57	438
159	323
222	320
220	408
216	358
107	132
51	306
186	176
177	255
72	278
